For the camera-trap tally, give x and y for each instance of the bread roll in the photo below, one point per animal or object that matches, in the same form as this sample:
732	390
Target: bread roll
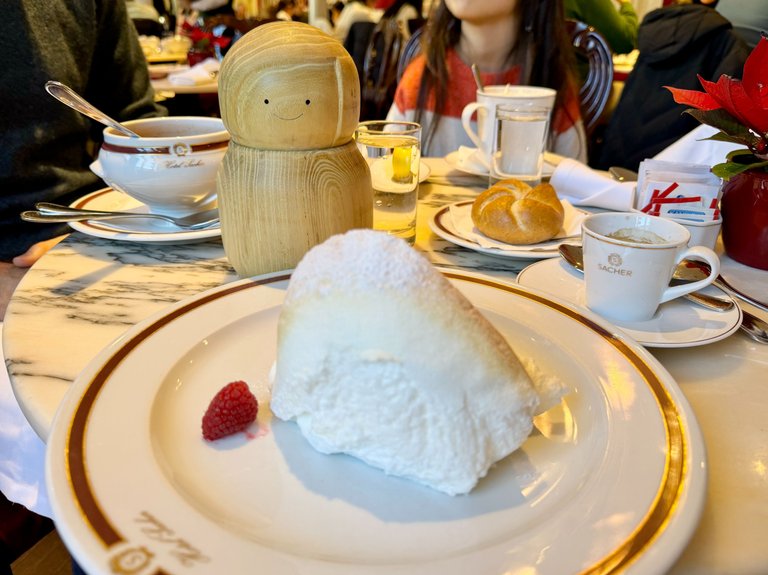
379	356
511	211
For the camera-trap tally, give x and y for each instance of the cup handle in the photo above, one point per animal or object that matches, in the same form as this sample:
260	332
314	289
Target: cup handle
466	121
698	253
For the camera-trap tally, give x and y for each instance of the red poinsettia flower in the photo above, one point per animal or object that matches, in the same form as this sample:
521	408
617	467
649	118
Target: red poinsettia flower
738	108
203	39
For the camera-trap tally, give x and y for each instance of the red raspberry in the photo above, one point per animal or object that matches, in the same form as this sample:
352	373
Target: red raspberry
231	410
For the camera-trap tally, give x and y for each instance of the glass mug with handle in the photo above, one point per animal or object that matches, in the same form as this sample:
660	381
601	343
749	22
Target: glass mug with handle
518	145
393	152
485	105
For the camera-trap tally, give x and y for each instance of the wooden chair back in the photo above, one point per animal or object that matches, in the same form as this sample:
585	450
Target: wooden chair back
595	90
379	78
410	51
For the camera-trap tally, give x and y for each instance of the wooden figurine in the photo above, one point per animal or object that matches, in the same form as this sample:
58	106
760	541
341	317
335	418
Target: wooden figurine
292	175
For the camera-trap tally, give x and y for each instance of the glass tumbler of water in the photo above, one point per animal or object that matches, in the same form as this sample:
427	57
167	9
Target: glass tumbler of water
519	142
393	151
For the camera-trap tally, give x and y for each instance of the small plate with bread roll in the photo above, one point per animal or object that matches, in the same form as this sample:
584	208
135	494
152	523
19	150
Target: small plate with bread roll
511	219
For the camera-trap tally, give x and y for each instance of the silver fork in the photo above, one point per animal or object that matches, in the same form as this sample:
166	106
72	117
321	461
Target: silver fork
53	213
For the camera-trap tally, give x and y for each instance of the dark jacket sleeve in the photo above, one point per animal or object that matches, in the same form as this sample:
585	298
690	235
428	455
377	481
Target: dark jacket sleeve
90	45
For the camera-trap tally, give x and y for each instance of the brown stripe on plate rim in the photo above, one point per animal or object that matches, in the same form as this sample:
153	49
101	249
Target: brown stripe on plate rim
654	522
675	470
162	149
76	467
438	219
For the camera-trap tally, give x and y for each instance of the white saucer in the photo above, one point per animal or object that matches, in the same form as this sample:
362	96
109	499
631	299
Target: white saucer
454	159
475	169
442	225
678	323
424	172
133	229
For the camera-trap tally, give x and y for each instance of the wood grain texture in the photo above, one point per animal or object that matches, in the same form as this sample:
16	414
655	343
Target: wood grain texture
277	204
288	86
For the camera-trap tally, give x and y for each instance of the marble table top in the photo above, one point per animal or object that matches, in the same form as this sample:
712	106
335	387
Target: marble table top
88	291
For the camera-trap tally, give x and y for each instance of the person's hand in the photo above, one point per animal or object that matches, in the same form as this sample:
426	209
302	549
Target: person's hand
35	252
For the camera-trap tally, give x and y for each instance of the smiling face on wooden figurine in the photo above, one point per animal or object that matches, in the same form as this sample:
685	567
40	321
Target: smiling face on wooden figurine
289	86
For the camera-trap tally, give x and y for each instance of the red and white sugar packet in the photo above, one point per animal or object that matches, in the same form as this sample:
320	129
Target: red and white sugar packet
685	191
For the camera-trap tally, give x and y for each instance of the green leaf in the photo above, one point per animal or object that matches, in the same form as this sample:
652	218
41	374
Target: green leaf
721	120
723	137
729	125
748	156
727	170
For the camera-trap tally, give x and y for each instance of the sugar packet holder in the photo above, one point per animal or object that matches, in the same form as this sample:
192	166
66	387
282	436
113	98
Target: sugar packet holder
667	203
672	189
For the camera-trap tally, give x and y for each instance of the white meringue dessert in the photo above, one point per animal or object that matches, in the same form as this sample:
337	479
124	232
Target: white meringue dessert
381	358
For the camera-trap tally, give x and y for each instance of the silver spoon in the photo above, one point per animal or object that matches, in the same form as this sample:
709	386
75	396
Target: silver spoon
690	270
754	327
68	96
54	213
751	325
574	255
476	75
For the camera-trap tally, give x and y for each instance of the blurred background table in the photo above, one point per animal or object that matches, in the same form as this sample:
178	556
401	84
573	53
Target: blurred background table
88	291
163	86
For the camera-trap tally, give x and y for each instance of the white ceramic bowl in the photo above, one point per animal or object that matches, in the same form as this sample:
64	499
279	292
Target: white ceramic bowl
171	168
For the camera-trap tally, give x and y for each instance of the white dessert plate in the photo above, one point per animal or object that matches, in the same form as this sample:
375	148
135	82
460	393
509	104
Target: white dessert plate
474	168
133	229
442	224
677	323
612	479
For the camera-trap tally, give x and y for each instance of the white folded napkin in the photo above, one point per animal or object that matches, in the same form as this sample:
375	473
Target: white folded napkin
461	220
694	149
202	73
583	186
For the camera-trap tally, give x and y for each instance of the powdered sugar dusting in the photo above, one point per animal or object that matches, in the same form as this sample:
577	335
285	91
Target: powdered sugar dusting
362	261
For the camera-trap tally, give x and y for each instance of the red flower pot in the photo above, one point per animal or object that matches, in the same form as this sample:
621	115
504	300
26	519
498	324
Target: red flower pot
744	208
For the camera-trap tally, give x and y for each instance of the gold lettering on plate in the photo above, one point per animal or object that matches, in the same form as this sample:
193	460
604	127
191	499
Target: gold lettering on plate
181	549
130	561
190	163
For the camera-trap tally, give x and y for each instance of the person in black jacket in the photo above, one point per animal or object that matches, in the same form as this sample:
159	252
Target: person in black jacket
676	44
91	46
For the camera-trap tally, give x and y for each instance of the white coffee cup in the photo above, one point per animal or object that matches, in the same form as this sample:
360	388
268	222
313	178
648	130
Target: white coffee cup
171	167
629	259
485	106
